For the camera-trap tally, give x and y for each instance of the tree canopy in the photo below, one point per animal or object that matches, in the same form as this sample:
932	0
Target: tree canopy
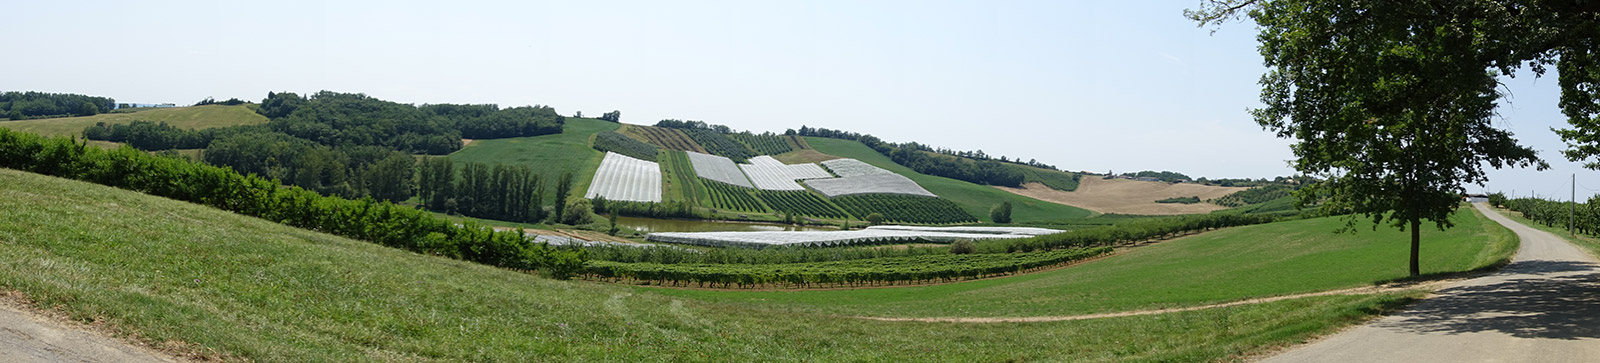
1391	102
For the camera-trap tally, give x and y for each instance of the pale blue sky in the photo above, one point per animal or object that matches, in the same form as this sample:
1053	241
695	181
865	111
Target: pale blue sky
1106	85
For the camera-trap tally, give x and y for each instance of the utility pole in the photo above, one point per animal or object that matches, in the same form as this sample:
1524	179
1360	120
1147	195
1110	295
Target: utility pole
1572	213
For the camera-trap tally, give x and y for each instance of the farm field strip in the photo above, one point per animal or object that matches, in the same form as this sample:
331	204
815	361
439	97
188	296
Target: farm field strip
770	174
623	178
827	238
846	168
718	168
868	184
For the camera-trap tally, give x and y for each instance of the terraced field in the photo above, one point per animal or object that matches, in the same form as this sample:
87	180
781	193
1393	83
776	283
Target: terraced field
671	139
765	144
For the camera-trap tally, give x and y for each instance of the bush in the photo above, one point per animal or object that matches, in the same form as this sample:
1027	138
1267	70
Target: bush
963	247
875	218
1001	213
578	212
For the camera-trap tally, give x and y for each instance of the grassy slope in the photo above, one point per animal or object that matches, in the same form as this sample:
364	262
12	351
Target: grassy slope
548	155
167	271
976	199
1232	264
197	117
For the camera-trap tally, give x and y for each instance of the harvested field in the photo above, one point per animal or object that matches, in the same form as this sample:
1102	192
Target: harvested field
1122	196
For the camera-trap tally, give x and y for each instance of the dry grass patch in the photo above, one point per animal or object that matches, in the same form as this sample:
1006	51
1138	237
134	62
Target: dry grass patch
1124	196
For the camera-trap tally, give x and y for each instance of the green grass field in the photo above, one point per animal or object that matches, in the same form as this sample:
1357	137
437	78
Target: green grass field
976	199
197	117
1227	265
547	155
203	281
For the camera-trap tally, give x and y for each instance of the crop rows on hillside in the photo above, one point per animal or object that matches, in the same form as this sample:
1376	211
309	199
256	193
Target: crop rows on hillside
622	144
717	143
663	137
764	144
1058	180
899	208
1255	195
730	197
799	202
926	268
681	183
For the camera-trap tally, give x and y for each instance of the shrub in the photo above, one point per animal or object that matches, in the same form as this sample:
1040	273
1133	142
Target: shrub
875	218
1001	213
577	212
963	247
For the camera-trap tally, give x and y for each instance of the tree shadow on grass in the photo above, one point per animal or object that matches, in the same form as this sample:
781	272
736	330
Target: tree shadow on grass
1528	299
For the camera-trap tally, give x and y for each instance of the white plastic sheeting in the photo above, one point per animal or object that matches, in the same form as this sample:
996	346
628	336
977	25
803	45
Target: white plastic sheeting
851	167
717	168
868	184
624	178
770	174
839	238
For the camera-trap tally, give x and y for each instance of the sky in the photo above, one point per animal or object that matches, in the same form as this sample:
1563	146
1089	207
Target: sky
1084	85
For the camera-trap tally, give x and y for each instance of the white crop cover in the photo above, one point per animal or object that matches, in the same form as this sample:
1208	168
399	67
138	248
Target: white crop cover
868	184
770	174
851	167
624	178
879	234
717	168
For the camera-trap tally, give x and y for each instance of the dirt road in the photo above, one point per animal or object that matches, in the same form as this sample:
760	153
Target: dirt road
29	337
1543	307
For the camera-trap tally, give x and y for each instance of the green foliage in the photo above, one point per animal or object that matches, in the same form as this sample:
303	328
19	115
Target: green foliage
1058	180
1255	195
1498	199
799	202
669	209
150	136
1180	200
962	247
379	222
197	118
30	105
874	218
1129	231
1165	176
1584	218
1413	109
351	171
336	119
563	194
902	208
1001	213
578	211
622	144
667	138
765	143
731	197
973	167
613	116
549	156
924	268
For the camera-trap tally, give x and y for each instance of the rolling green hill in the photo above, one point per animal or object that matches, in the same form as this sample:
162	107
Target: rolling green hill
196	117
547	155
975	199
200	281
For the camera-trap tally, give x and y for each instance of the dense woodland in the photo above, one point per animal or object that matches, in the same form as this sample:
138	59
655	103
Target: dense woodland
32	105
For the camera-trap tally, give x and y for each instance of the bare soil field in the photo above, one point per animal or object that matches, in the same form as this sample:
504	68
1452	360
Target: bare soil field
1122	196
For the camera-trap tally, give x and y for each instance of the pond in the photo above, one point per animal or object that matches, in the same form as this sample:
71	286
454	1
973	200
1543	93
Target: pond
650	225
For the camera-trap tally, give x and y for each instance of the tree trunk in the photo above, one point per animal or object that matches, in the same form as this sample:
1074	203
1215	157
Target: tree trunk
1416	244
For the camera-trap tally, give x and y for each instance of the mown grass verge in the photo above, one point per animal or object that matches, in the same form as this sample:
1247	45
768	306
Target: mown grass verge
196	117
176	274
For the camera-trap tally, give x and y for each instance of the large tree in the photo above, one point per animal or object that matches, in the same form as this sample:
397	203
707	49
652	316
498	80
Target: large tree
1390	102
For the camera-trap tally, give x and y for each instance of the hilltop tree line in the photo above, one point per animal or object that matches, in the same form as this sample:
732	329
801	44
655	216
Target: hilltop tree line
920	158
31	105
974	155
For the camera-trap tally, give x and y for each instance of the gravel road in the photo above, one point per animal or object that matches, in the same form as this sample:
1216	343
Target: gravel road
27	337
1543	307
